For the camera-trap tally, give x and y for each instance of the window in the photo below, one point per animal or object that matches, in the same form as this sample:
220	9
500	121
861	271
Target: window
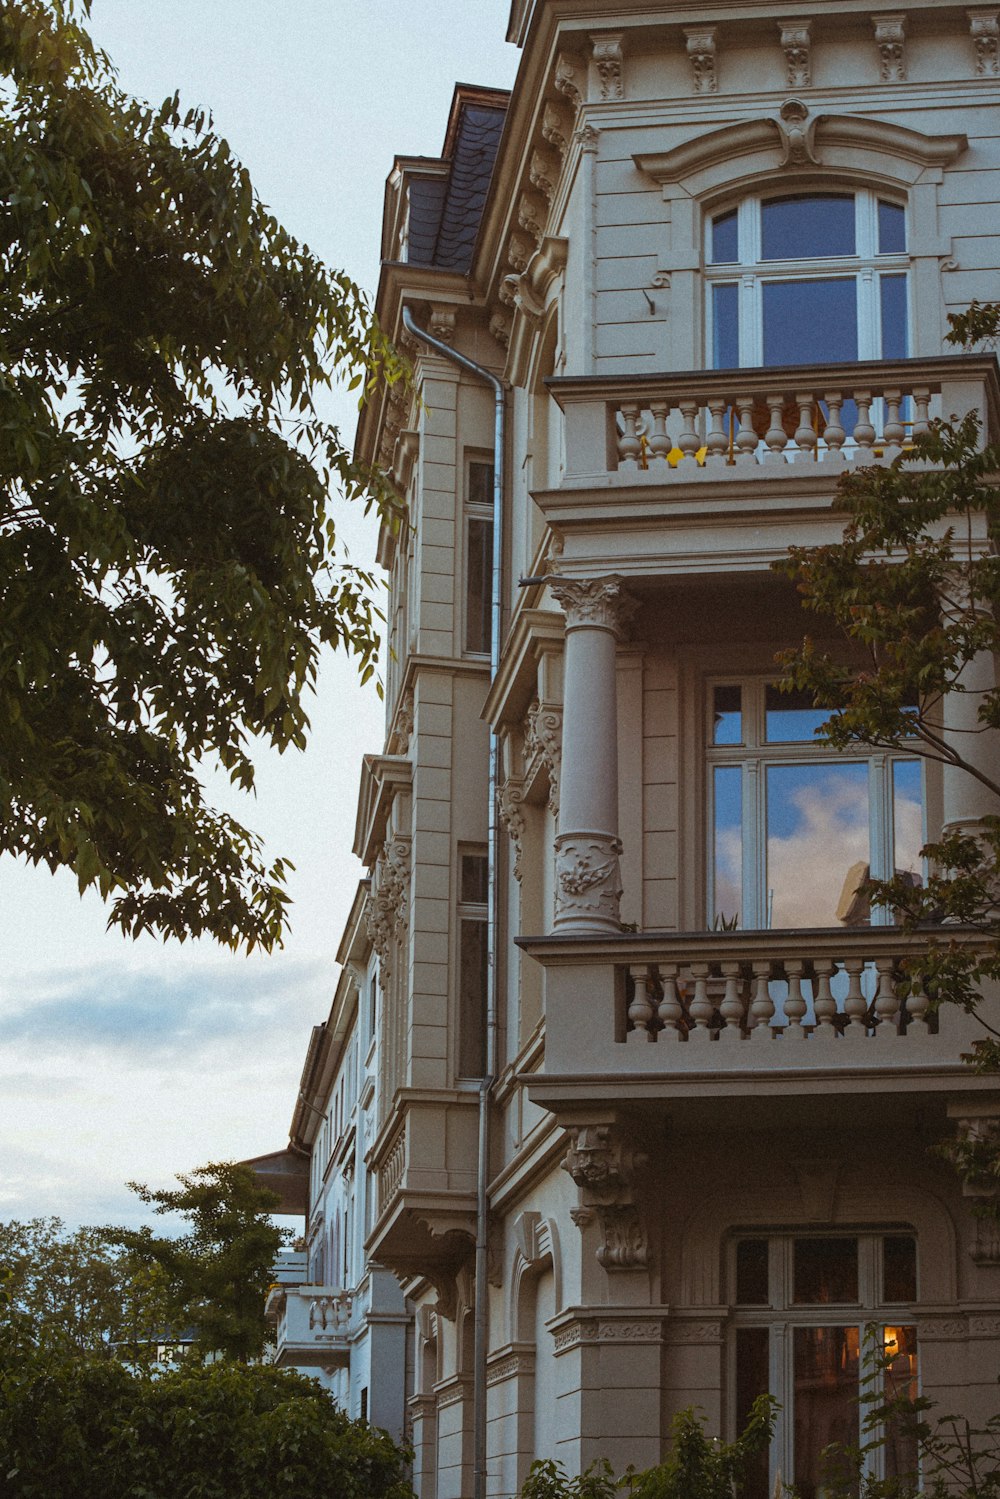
814	278
795	826
478	556
472	964
812	1317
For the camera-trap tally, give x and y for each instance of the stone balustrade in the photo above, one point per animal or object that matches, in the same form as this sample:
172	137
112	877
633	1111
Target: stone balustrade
313	1324
711	425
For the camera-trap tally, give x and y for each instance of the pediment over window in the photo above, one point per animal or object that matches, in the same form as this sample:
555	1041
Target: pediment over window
794	140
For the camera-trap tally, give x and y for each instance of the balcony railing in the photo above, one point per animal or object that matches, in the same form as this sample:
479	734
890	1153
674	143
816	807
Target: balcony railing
729	424
313	1324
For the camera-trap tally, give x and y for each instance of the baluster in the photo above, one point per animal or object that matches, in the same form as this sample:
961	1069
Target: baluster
629	446
688	441
805	432
795	1005
917	1007
886	1000
746	437
921	410
824	1004
659	442
701	1006
893	430
855	1005
834	436
864	432
641	1012
671	1011
762	1008
717	441
731	1008
776	437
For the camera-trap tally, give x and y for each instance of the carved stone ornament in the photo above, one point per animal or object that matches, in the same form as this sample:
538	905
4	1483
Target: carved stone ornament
403	724
526	1235
443	323
604	1162
588	881
543	173
608	62
587	137
569	78
543	746
557	126
985	1249
598	603
532	213
701	54
798	131
500	327
890	40
795	45
984	26
507	291
519	252
510	799
390	895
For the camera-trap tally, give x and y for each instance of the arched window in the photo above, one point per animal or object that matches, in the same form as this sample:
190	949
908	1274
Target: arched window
809	278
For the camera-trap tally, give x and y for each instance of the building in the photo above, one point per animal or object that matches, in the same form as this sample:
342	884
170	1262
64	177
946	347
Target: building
709	256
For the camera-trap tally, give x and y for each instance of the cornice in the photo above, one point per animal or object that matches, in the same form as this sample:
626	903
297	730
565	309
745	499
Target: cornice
533	631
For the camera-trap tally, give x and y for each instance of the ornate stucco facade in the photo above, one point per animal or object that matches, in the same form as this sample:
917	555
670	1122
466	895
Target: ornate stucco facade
712	267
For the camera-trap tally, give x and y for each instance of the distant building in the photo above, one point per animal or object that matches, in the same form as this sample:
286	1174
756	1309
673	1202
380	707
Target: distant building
710	255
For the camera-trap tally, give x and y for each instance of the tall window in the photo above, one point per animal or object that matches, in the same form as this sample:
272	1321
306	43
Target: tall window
472	964
478	556
823	1323
815	278
796	827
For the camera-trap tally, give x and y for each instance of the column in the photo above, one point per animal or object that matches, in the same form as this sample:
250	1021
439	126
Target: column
588	880
966	800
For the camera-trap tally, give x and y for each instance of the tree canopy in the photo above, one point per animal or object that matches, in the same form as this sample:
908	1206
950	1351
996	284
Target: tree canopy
169	568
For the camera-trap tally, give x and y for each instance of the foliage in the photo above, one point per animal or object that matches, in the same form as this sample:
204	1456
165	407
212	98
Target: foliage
74	1293
697	1466
81	1427
168	572
217	1274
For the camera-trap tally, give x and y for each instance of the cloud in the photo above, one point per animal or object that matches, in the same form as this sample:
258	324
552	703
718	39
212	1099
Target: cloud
162	1014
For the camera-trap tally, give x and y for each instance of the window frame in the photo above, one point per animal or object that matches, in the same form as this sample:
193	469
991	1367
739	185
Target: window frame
754	755
477	912
482	512
750	272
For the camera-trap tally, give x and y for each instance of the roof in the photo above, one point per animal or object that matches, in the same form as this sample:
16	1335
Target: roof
445	212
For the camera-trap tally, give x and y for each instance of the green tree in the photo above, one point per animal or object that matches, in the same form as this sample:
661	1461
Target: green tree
168	562
76	1427
216	1275
74	1293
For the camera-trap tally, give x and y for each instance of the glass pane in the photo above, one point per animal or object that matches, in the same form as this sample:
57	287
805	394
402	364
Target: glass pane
790	718
727	715
751	1273
478	585
899	1268
725	244
825	1402
752	1379
727	896
807	228
725	326
480	483
810	322
817	842
901	1456
908	818
474	877
826	1270
895	343
891	228
472	998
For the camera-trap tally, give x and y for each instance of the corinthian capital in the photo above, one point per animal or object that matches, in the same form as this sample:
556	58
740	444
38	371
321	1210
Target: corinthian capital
595	603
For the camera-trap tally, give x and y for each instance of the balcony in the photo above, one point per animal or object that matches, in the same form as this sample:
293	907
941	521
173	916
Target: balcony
313	1324
738	1016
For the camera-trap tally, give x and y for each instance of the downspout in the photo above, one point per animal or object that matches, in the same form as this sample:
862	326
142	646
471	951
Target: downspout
492	1011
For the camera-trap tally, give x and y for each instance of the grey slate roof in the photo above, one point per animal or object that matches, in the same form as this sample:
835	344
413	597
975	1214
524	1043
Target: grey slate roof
445	213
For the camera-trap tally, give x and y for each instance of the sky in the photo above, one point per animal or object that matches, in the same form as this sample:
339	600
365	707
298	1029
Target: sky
124	1061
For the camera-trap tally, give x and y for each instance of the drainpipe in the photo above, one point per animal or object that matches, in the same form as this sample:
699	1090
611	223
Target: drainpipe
486	1083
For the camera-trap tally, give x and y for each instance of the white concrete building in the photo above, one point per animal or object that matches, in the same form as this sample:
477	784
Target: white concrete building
712	268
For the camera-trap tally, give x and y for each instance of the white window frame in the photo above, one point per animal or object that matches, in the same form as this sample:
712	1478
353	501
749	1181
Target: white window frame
749	273
754	755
